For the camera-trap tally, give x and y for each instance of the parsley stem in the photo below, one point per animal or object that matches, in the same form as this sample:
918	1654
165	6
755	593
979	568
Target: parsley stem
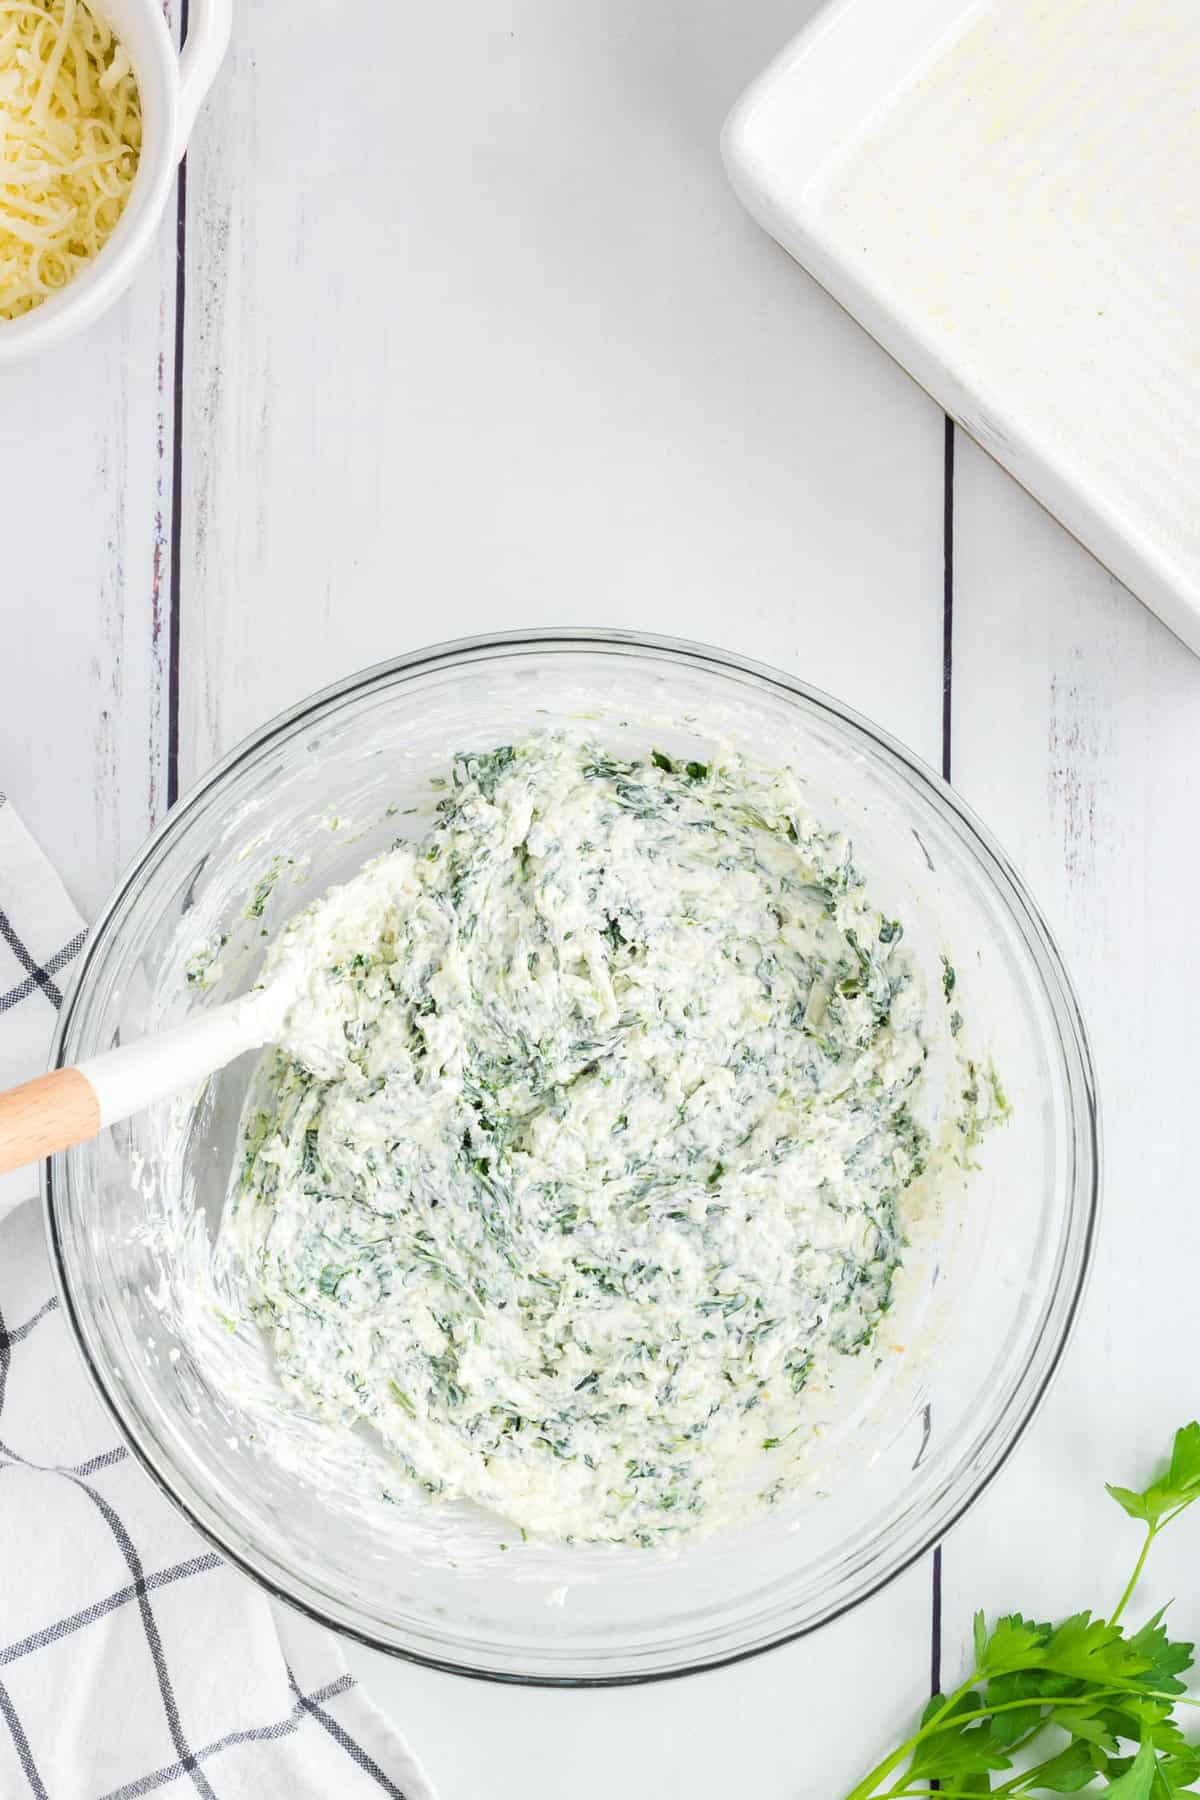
1088	1699
1139	1565
1021	1784
870	1783
939	1722
1152	1532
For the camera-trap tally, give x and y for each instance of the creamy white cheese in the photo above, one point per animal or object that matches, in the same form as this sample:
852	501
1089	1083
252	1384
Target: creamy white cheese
586	1146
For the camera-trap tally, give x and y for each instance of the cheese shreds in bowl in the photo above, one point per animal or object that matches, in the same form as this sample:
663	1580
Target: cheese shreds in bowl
70	135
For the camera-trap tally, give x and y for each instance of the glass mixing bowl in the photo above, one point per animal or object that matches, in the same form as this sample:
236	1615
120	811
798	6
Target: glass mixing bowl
990	1298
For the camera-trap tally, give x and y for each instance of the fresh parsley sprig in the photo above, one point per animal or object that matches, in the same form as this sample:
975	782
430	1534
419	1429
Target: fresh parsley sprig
1079	1703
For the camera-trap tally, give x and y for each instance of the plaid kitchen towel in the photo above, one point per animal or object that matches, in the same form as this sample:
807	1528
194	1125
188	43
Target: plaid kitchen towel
132	1659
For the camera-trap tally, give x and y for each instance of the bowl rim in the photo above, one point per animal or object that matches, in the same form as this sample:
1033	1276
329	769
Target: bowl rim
1002	875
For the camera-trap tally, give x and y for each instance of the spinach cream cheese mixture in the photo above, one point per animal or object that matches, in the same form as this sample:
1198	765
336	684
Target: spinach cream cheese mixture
587	1144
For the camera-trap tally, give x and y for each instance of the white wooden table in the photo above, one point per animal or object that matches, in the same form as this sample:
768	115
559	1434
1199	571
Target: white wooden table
468	331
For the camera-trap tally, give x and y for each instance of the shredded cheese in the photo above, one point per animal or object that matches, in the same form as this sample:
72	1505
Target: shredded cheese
70	135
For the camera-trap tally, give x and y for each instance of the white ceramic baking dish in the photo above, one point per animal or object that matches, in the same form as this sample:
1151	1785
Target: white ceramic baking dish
1006	195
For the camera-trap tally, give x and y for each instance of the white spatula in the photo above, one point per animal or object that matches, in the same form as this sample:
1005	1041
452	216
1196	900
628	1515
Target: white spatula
70	1105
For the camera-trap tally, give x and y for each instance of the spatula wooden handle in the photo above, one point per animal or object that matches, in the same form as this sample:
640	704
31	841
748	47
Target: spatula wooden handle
70	1105
46	1115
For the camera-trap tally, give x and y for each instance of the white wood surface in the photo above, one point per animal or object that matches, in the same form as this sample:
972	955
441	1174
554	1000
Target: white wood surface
476	335
506	350
1077	735
85	501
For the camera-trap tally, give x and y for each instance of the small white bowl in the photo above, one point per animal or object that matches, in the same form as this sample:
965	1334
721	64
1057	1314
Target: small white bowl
172	88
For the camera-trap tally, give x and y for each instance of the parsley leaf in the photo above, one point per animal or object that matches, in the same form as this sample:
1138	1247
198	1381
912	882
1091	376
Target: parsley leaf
1093	1650
1138	1780
954	1750
1082	1701
1037	1686
1178	1487
1167	1660
1069	1771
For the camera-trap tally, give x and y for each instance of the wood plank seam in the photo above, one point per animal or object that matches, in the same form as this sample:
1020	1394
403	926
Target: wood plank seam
177	467
935	1598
